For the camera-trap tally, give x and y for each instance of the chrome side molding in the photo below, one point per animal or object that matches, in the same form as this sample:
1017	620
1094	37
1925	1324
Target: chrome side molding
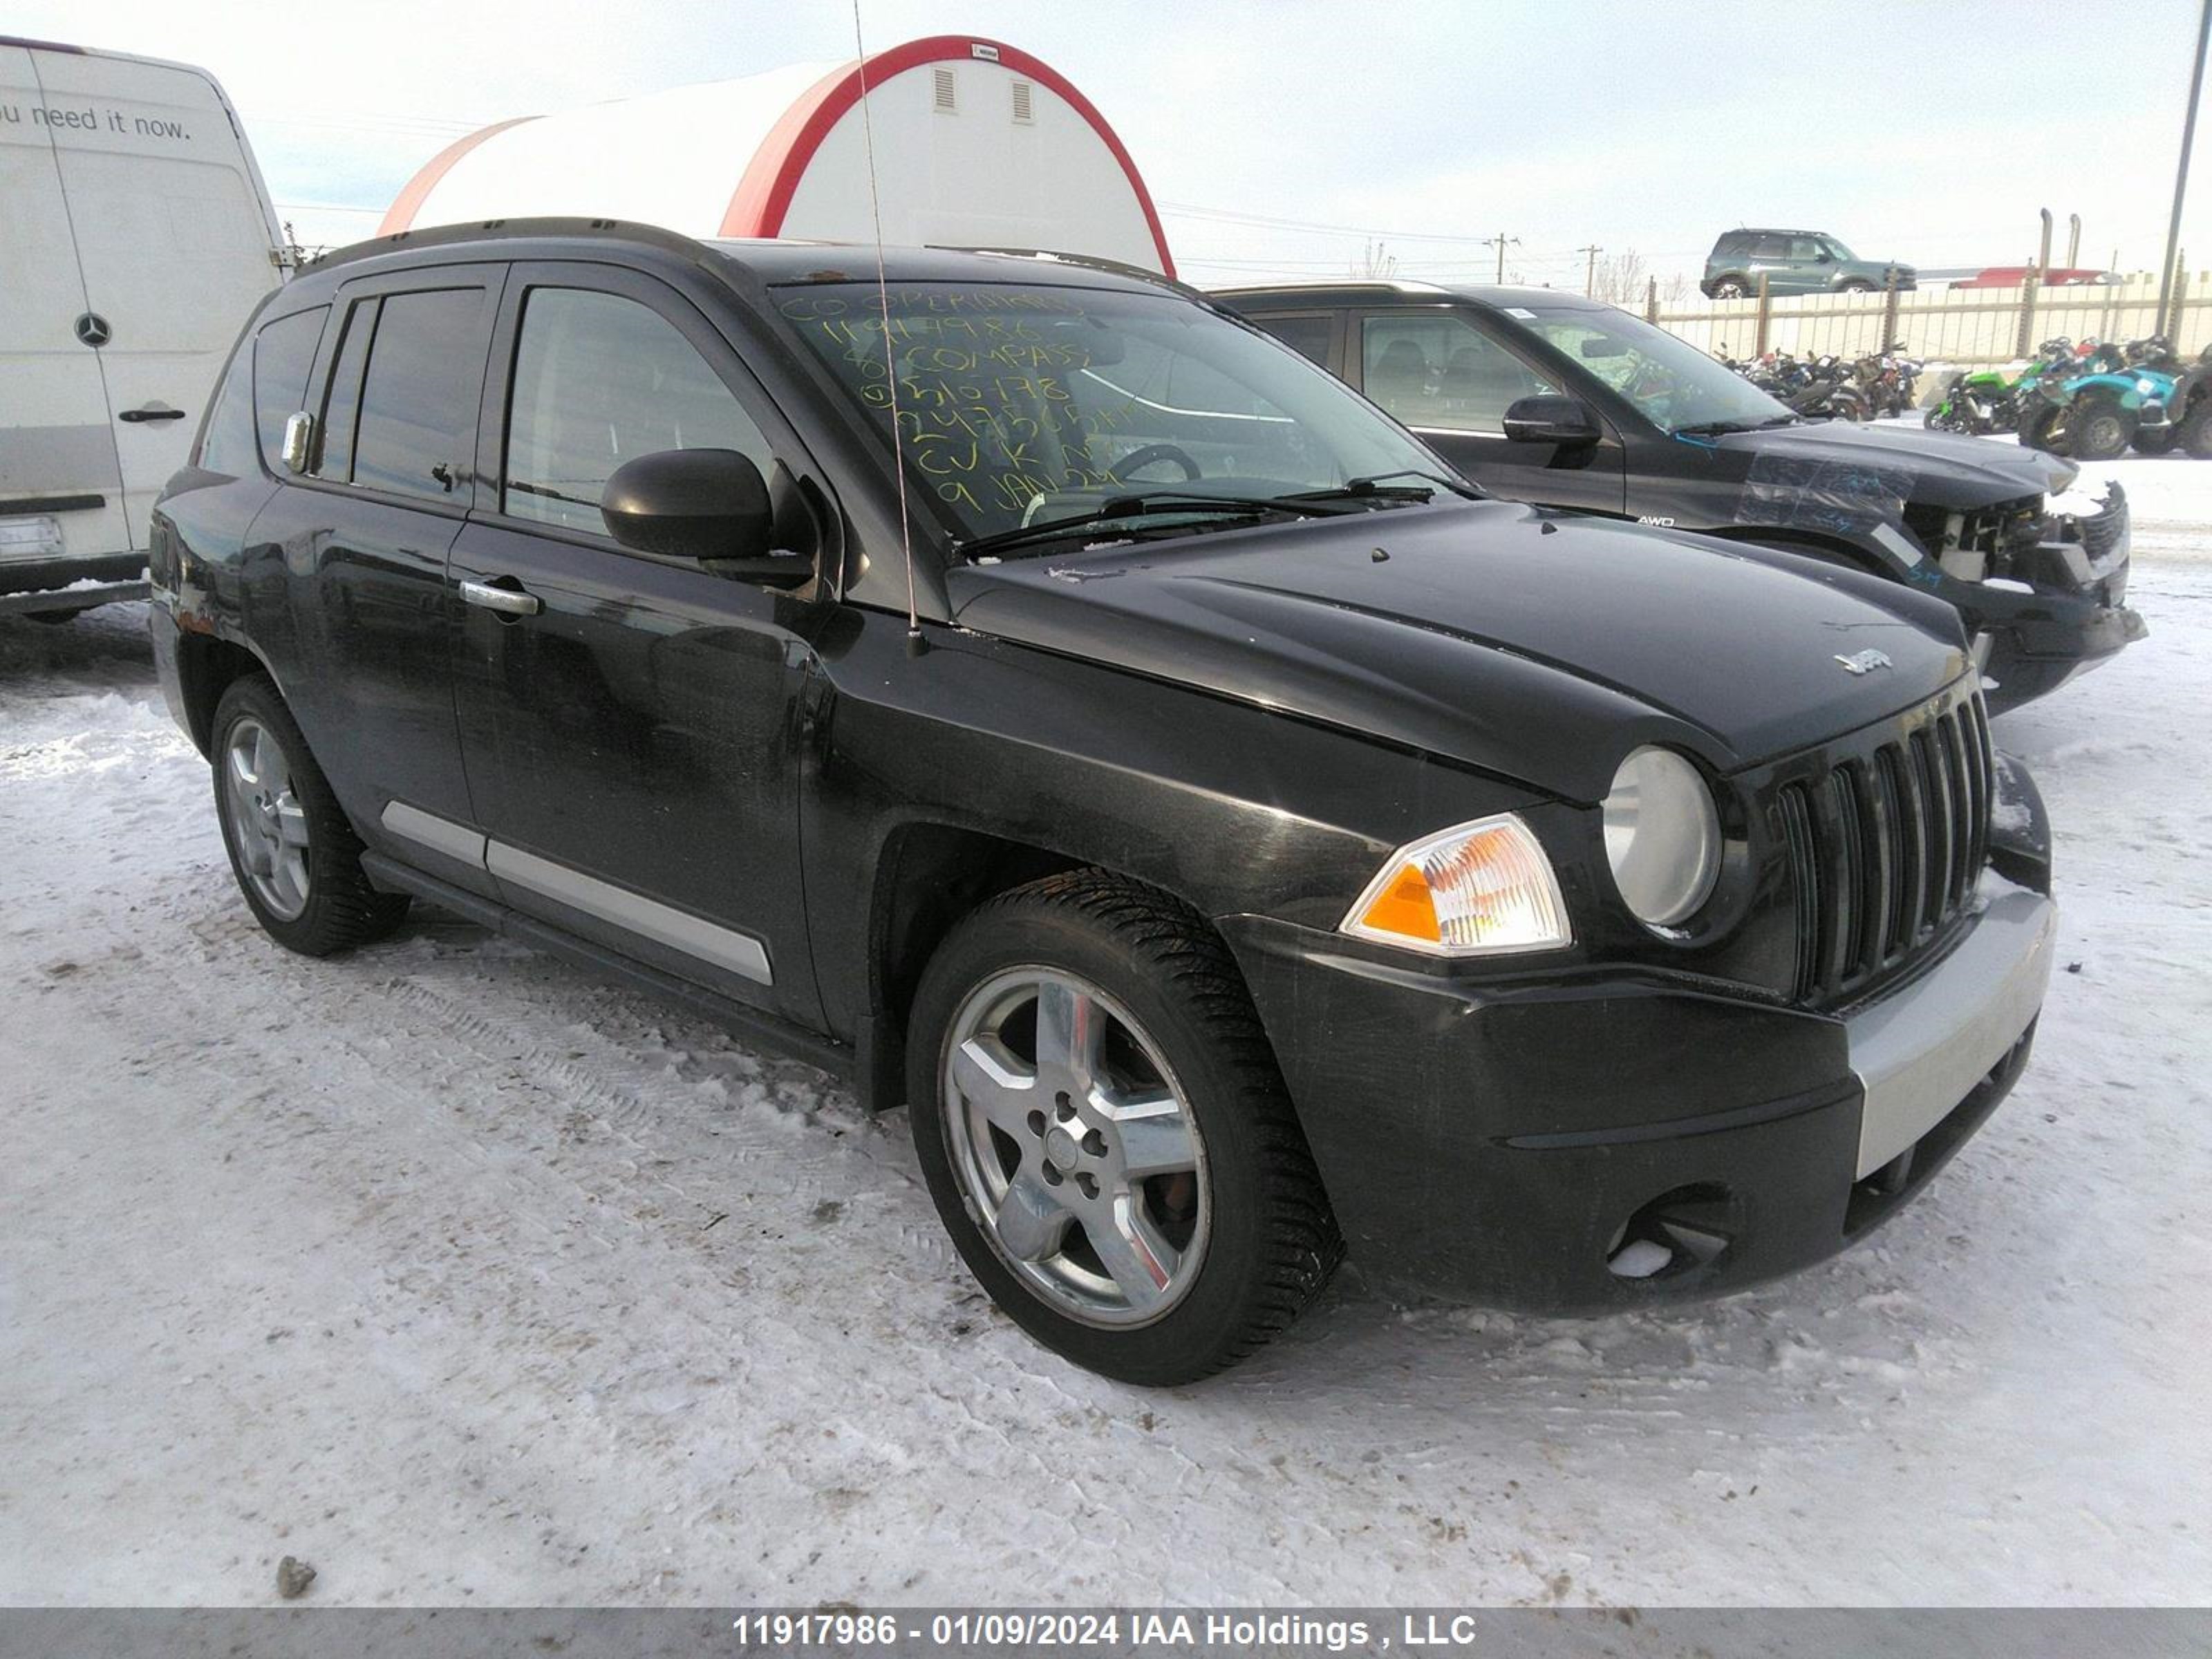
679	930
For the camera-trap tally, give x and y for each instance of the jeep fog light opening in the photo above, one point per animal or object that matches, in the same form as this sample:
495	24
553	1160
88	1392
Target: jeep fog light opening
1473	889
1662	836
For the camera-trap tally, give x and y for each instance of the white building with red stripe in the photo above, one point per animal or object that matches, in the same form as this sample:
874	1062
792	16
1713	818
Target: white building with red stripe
975	144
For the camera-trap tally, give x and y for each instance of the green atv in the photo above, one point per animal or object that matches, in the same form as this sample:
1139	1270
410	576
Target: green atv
1978	402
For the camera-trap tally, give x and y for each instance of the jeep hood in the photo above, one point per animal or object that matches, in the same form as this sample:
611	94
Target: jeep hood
1946	470
1536	646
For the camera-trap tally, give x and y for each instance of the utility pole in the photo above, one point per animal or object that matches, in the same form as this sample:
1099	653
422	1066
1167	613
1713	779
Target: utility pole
1502	242
2181	168
1590	277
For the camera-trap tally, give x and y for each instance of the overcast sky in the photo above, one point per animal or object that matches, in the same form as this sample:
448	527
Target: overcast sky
1927	132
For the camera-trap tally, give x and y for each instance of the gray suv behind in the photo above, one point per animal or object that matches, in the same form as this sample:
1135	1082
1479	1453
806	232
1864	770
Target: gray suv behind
1793	262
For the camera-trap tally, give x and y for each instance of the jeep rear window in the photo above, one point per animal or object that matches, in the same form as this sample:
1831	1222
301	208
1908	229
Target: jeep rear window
418	401
1020	403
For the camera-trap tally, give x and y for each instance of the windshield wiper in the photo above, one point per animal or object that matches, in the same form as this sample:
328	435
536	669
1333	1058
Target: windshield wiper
1718	428
1144	505
1374	488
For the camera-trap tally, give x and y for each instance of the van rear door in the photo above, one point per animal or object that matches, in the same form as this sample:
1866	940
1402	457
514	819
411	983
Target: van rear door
173	240
61	486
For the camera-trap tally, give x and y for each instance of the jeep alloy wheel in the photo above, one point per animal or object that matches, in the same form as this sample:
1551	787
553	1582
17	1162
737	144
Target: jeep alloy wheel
1073	1147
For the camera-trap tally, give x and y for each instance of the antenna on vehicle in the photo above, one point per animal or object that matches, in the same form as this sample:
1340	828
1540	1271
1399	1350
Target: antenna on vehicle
913	640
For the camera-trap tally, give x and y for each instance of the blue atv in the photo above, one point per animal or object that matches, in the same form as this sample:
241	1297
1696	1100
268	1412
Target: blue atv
2140	395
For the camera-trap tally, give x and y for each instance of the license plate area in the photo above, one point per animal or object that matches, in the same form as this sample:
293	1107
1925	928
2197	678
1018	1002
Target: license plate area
26	539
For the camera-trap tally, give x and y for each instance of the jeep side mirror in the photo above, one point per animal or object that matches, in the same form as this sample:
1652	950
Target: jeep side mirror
710	505
1551	419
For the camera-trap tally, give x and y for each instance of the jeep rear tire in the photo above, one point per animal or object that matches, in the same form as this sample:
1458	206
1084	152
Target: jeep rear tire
296	858
1106	1135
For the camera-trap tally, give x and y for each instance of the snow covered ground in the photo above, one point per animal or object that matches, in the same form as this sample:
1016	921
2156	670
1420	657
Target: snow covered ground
469	1280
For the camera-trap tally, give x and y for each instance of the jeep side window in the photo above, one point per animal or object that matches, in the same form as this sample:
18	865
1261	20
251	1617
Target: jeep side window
283	352
418	398
1804	250
600	379
1440	371
1772	247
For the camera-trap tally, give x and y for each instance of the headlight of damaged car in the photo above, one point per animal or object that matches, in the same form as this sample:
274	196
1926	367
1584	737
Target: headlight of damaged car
1475	889
1662	836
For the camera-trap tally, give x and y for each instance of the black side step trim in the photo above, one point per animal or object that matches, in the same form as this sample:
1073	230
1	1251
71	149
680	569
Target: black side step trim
778	1035
13	504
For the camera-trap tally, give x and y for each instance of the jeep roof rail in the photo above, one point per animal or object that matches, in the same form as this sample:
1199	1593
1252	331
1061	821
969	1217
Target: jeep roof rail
1087	261
482	230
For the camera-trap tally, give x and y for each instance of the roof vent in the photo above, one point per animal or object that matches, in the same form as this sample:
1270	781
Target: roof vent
946	100
1022	110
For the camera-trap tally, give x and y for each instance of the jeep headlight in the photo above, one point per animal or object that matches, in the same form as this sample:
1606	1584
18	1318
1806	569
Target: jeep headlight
1475	889
1662	836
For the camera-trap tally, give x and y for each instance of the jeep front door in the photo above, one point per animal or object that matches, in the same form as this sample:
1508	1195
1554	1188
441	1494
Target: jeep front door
630	722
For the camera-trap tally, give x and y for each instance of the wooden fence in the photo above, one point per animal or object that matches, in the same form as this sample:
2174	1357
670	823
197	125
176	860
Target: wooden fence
1968	326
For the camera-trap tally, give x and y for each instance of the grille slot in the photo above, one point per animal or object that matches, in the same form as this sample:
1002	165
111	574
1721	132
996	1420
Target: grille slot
1885	848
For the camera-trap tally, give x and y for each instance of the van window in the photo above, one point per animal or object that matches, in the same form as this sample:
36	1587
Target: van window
1438	370
228	442
598	380
418	400
283	352
1733	245
1307	335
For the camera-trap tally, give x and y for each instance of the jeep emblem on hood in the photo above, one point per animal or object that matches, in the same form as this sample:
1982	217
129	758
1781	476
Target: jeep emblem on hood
1863	662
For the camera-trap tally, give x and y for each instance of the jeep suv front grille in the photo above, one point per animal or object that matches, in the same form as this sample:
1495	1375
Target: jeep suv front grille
1885	847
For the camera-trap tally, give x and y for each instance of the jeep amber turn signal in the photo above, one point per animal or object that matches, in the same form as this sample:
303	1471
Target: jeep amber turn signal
1478	889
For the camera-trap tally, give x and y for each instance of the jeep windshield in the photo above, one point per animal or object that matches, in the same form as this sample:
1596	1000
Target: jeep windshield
1674	385
1023	407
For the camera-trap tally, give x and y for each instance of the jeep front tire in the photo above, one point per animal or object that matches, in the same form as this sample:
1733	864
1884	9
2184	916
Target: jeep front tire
1105	1133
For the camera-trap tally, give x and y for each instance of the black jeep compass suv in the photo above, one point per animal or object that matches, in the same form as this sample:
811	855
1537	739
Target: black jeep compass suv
1027	690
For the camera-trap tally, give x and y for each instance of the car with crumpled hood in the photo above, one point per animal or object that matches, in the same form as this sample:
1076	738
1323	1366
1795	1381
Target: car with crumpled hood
1550	397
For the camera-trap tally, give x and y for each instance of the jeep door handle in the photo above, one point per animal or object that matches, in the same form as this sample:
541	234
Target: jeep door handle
507	601
151	412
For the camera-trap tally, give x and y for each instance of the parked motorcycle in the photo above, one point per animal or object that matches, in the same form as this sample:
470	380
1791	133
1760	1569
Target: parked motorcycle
1886	380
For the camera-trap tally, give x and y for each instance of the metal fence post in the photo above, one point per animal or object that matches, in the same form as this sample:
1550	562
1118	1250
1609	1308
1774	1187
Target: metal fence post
1765	314
2025	336
1651	301
1889	313
2180	292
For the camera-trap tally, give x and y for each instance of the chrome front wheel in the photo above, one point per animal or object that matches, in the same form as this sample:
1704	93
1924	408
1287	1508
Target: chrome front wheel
1075	1149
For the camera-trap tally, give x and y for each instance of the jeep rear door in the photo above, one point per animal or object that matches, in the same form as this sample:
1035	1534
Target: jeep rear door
357	545
630	722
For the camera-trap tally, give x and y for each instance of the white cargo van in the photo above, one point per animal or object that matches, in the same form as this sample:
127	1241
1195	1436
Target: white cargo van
135	235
